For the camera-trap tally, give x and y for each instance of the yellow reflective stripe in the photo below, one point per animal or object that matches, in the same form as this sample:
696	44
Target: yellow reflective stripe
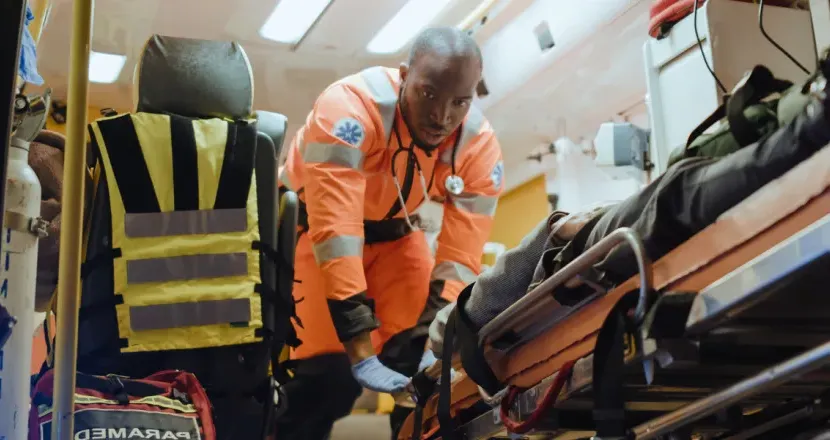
384	96
452	271
162	224
189	314
469	130
342	155
476	204
159	401
187	267
337	247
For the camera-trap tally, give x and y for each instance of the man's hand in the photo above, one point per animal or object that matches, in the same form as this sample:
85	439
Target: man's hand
359	348
373	375
368	369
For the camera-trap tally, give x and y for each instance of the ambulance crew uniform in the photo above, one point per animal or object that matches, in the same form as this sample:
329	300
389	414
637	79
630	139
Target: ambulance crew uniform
360	266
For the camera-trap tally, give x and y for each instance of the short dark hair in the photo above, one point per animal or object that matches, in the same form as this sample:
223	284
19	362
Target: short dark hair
446	41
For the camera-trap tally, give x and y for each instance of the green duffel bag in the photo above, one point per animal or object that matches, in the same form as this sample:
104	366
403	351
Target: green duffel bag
750	113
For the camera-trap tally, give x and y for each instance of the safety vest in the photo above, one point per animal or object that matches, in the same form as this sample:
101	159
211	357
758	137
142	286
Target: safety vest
183	204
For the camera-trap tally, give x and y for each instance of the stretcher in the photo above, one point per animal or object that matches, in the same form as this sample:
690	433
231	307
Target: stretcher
728	337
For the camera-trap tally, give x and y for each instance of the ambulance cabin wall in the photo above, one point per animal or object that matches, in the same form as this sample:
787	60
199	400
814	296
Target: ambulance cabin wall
519	211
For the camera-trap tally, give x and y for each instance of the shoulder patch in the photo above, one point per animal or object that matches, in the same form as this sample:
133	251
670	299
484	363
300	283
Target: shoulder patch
497	175
350	131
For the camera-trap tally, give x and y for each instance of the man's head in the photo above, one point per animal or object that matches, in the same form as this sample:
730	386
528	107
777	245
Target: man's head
439	82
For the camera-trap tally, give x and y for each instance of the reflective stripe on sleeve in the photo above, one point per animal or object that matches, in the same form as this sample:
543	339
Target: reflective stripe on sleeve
337	247
342	155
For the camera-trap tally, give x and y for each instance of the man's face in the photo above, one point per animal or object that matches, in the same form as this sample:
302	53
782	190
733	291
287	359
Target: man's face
437	92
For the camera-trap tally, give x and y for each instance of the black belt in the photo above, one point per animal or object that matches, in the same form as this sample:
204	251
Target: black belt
374	231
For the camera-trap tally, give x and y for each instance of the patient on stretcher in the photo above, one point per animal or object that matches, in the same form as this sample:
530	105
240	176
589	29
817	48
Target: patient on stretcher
687	198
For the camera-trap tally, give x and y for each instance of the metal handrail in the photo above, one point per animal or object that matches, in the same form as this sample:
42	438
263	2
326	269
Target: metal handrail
69	269
540	296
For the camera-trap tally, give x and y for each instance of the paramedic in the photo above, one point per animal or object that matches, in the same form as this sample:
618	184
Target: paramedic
687	198
376	145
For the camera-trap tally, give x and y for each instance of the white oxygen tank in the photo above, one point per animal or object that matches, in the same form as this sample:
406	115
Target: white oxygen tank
22	226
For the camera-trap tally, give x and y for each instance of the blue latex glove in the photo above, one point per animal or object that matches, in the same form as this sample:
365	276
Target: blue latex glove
373	375
428	359
27	68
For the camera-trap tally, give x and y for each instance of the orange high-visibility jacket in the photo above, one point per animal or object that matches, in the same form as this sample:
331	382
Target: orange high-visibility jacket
340	164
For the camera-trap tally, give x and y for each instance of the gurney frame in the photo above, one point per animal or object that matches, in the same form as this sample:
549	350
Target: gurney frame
695	391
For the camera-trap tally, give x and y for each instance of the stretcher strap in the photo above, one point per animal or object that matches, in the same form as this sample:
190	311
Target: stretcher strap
424	388
548	400
447	424
608	365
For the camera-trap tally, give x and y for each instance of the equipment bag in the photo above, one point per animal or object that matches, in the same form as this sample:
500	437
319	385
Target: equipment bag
166	405
747	116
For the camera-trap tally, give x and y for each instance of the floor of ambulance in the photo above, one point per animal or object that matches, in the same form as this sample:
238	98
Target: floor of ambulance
362	427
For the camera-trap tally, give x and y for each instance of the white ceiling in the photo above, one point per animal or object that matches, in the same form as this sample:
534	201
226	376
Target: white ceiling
571	94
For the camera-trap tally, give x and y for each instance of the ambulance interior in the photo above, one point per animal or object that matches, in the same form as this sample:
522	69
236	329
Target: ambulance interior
588	107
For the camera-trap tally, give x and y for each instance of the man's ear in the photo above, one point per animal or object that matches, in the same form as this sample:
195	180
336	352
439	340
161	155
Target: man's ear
404	70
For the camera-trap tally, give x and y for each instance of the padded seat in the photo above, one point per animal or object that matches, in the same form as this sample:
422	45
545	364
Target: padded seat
203	80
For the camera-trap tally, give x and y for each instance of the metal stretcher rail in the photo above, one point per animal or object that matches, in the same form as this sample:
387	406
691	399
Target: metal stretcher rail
522	311
749	292
765	380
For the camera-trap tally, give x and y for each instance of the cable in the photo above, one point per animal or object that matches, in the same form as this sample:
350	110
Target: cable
547	402
778	46
703	54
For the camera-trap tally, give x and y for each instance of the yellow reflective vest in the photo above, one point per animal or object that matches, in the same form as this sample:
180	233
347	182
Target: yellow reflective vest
183	204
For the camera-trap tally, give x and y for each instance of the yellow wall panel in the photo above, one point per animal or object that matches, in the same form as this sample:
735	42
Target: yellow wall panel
519	211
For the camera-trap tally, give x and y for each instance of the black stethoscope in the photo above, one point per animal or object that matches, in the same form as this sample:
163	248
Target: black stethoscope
454	183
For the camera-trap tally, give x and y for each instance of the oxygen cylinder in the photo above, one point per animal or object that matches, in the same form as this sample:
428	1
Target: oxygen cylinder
18	267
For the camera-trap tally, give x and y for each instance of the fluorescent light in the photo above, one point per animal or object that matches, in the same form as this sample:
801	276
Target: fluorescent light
291	19
410	20
105	67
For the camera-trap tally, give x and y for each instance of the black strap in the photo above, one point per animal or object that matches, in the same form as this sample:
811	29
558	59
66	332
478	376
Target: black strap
424	388
758	85
710	120
88	266
237	167
128	165
608	364
447	424
185	164
472	353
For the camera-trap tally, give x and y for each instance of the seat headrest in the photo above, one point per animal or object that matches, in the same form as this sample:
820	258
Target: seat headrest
194	78
273	125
